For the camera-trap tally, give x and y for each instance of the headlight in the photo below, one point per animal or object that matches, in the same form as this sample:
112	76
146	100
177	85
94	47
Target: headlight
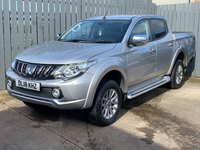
71	70
13	65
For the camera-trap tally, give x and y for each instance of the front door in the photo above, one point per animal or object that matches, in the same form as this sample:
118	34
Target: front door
141	59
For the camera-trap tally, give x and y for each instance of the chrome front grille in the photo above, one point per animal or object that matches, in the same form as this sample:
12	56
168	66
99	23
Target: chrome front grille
34	70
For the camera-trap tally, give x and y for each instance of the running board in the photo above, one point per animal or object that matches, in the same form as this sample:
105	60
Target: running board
148	88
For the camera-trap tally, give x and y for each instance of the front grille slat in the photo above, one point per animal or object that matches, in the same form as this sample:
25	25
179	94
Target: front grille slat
15	69
19	68
40	70
35	71
22	69
48	68
51	70
22	66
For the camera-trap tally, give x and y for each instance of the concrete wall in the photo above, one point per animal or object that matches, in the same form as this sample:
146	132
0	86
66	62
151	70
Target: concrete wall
164	2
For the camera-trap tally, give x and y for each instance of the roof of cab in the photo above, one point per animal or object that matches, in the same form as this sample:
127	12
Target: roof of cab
121	17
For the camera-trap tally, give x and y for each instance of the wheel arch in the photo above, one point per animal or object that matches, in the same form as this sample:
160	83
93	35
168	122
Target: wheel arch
182	54
106	71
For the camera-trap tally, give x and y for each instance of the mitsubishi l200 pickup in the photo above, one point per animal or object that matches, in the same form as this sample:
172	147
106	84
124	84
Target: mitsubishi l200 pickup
99	63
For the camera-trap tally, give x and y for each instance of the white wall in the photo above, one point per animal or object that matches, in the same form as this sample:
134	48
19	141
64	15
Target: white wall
164	2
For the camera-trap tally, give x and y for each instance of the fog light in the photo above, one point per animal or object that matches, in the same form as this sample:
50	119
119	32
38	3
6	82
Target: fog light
9	83
56	93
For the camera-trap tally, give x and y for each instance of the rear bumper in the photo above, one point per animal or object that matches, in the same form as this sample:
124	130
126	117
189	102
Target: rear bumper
192	56
73	92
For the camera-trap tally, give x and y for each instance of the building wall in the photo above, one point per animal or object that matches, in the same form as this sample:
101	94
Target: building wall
164	2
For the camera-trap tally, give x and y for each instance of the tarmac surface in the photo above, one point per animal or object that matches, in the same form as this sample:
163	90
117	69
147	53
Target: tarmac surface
161	119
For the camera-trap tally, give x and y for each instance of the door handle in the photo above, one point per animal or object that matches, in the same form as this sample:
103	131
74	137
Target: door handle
152	50
170	44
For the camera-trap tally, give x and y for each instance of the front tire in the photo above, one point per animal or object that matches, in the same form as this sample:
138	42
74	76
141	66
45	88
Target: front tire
107	103
177	76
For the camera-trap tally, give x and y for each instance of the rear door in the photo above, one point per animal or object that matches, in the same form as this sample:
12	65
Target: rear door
164	44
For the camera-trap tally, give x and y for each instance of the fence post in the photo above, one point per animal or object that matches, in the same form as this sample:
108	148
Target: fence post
7	33
33	23
14	29
2	60
39	23
20	25
197	34
46	22
27	22
51	19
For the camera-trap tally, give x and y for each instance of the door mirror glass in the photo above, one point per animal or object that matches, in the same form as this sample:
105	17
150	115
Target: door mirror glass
139	40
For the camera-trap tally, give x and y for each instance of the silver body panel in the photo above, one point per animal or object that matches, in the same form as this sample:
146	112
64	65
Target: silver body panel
138	67
56	52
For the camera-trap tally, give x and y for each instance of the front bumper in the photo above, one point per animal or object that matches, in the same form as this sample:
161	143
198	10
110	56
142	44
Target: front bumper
73	92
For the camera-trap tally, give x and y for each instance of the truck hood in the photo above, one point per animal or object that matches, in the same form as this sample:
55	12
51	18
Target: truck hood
56	52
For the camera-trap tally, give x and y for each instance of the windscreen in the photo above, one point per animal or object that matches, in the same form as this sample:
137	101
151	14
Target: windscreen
106	31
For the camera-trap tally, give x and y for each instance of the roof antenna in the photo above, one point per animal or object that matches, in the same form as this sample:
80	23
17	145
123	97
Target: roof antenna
104	17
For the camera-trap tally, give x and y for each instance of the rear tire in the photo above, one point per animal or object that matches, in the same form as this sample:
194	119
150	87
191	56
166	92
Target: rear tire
107	103
177	76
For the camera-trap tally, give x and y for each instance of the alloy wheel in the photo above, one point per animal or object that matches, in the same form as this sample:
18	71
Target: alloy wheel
110	103
179	74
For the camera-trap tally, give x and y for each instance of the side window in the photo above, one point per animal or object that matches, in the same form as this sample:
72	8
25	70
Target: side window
142	28
158	27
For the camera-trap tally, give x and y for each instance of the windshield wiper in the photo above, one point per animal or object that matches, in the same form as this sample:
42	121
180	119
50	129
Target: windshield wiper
102	41
75	40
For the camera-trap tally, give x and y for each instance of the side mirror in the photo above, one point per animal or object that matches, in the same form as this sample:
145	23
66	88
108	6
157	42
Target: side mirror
138	40
57	36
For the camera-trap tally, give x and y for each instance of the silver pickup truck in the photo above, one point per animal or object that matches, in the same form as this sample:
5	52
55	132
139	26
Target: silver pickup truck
100	62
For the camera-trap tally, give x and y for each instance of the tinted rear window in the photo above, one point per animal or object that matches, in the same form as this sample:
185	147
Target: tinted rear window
158	27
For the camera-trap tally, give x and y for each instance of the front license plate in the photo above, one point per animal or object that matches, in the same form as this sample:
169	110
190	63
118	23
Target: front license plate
28	85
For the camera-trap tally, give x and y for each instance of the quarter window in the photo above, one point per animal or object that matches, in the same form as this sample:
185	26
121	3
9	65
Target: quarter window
158	27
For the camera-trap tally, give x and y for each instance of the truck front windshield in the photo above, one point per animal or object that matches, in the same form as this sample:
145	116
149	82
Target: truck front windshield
97	31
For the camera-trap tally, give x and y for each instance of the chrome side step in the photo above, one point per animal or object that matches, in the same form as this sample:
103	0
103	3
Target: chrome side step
148	88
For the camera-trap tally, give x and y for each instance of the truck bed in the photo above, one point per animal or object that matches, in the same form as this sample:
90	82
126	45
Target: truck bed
184	38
